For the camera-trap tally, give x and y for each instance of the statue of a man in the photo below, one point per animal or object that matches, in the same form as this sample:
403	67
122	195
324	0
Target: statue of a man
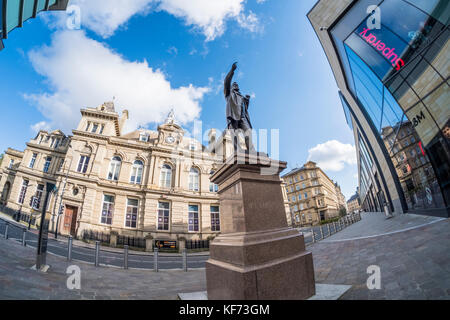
237	109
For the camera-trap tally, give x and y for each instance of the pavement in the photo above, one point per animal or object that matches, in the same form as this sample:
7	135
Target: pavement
112	257
414	262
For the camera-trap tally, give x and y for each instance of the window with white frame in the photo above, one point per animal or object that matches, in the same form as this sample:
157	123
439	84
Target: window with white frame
101	129
132	213
143	136
301	206
107	209
301	177
165	176
83	164
114	168
56	143
23	191
136	172
33	160
38	197
194	179
295	208
47	163
293	198
215	218
11	163
88	125
306	195
303	185
317	191
297	187
94	128
61	163
193	218
299	196
212	186
163	215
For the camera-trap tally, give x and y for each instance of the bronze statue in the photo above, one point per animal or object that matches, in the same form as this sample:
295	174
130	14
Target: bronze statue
237	110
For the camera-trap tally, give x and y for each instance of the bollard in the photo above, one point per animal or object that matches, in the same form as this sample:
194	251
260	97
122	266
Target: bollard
97	249
321	232
69	248
185	267
329	232
155	260
125	256
6	230
312	235
24	237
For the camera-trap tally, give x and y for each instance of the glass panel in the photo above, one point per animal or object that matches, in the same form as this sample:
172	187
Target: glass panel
438	9
438	54
438	103
41	5
12	15
368	87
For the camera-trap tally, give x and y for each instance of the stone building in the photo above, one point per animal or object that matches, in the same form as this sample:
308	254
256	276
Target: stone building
143	184
340	197
353	204
311	194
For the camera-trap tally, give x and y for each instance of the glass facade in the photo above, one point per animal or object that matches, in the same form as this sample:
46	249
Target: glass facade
15	14
399	75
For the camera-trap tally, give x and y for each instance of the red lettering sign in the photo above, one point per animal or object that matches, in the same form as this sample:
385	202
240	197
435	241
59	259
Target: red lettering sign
388	53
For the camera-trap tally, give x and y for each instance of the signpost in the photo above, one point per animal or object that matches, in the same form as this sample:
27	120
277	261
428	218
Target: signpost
41	257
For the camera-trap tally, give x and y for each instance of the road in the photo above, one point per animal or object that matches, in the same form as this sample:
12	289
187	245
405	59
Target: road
106	258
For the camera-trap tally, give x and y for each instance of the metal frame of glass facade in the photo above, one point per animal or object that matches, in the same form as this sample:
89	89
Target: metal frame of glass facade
385	71
16	12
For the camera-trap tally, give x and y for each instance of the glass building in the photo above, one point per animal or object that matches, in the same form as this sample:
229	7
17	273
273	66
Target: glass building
16	12
391	61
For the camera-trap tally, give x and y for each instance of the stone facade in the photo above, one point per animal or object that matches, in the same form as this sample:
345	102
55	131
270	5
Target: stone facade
353	204
312	195
143	184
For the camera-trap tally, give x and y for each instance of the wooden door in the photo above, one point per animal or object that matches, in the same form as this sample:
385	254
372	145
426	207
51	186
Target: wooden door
70	220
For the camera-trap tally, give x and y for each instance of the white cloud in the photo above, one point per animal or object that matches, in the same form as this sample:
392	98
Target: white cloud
105	17
208	16
333	155
84	73
40	126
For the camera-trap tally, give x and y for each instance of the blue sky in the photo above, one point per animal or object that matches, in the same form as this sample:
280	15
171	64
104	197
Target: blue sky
157	54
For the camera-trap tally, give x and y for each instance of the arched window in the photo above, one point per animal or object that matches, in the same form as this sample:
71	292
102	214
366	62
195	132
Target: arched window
114	168
194	179
136	172
165	178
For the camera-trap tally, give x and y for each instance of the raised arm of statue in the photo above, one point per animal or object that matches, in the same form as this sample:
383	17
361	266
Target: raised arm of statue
227	85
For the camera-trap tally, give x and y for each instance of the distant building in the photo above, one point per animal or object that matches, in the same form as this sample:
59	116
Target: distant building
340	196
312	195
353	204
15	12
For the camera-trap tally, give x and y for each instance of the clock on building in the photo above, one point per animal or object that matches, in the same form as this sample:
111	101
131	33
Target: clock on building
170	139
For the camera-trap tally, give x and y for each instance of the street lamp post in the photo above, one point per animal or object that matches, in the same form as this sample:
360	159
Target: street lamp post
61	198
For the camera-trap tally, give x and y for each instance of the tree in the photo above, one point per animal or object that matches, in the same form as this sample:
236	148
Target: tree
342	211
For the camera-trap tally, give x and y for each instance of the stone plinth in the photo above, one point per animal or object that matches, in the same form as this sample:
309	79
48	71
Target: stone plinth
256	256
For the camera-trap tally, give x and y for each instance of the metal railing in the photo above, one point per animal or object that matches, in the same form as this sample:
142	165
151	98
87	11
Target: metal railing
321	232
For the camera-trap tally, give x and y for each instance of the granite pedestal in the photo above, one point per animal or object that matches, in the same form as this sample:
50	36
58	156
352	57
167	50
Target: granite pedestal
256	256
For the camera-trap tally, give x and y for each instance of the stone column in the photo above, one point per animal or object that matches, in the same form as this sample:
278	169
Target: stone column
149	243
256	256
